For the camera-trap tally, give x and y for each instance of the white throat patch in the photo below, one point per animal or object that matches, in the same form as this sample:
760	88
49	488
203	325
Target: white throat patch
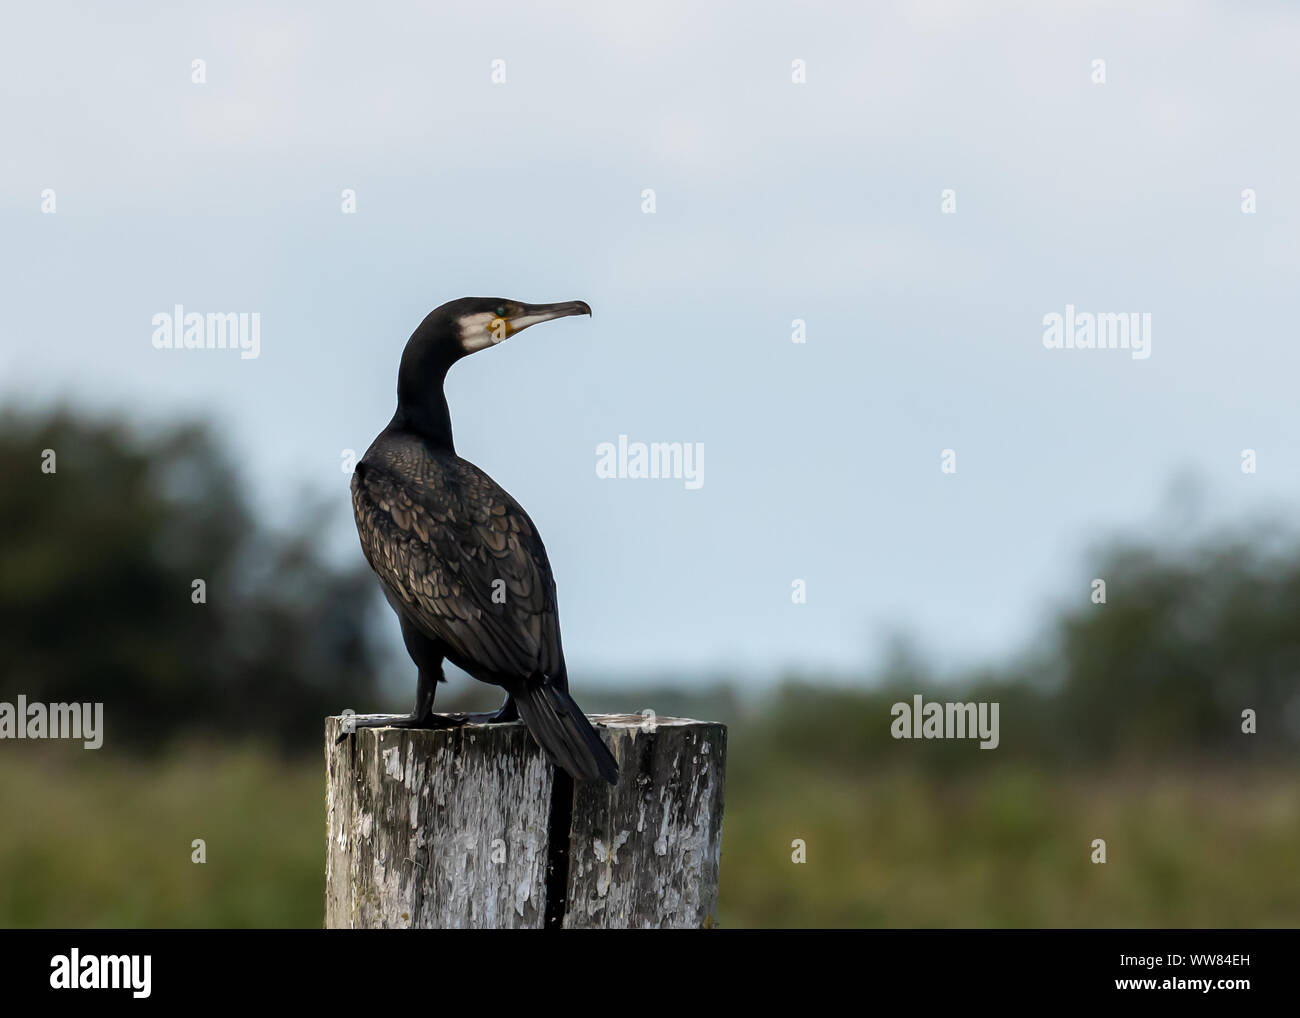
481	330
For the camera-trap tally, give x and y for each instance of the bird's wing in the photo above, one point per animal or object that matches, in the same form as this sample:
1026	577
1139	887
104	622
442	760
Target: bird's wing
464	561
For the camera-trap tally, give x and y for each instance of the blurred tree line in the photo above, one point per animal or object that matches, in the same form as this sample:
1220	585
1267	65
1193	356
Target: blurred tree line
1190	637
98	559
97	562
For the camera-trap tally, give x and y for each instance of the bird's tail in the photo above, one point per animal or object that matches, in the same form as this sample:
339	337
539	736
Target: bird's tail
564	733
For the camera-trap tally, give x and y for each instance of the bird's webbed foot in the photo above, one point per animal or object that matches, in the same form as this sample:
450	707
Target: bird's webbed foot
503	715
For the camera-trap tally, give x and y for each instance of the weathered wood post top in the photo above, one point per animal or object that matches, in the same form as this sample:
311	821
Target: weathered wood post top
472	827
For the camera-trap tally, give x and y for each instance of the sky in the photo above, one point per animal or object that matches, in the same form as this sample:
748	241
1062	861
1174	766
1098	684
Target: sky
944	176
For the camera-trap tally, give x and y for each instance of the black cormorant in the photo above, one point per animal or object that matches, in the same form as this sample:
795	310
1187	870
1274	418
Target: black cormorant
459	559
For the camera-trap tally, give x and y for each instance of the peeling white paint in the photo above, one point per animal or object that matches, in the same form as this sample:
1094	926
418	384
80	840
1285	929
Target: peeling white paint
661	842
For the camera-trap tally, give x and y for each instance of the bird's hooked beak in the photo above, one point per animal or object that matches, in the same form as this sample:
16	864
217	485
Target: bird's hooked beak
480	329
531	314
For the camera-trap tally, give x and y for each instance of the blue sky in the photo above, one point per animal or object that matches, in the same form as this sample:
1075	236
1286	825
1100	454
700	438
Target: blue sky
774	201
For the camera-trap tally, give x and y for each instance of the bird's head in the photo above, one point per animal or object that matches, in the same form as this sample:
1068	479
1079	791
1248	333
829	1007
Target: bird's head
455	330
471	324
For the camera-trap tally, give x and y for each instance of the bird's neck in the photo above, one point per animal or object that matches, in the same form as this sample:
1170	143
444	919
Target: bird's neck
422	404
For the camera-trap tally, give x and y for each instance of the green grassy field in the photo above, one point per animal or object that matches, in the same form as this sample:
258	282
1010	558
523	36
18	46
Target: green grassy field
96	840
1012	849
92	840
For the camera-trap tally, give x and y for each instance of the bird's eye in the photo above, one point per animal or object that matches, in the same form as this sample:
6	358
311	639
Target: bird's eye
501	310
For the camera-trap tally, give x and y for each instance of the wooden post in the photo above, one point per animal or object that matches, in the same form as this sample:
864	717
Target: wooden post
472	827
